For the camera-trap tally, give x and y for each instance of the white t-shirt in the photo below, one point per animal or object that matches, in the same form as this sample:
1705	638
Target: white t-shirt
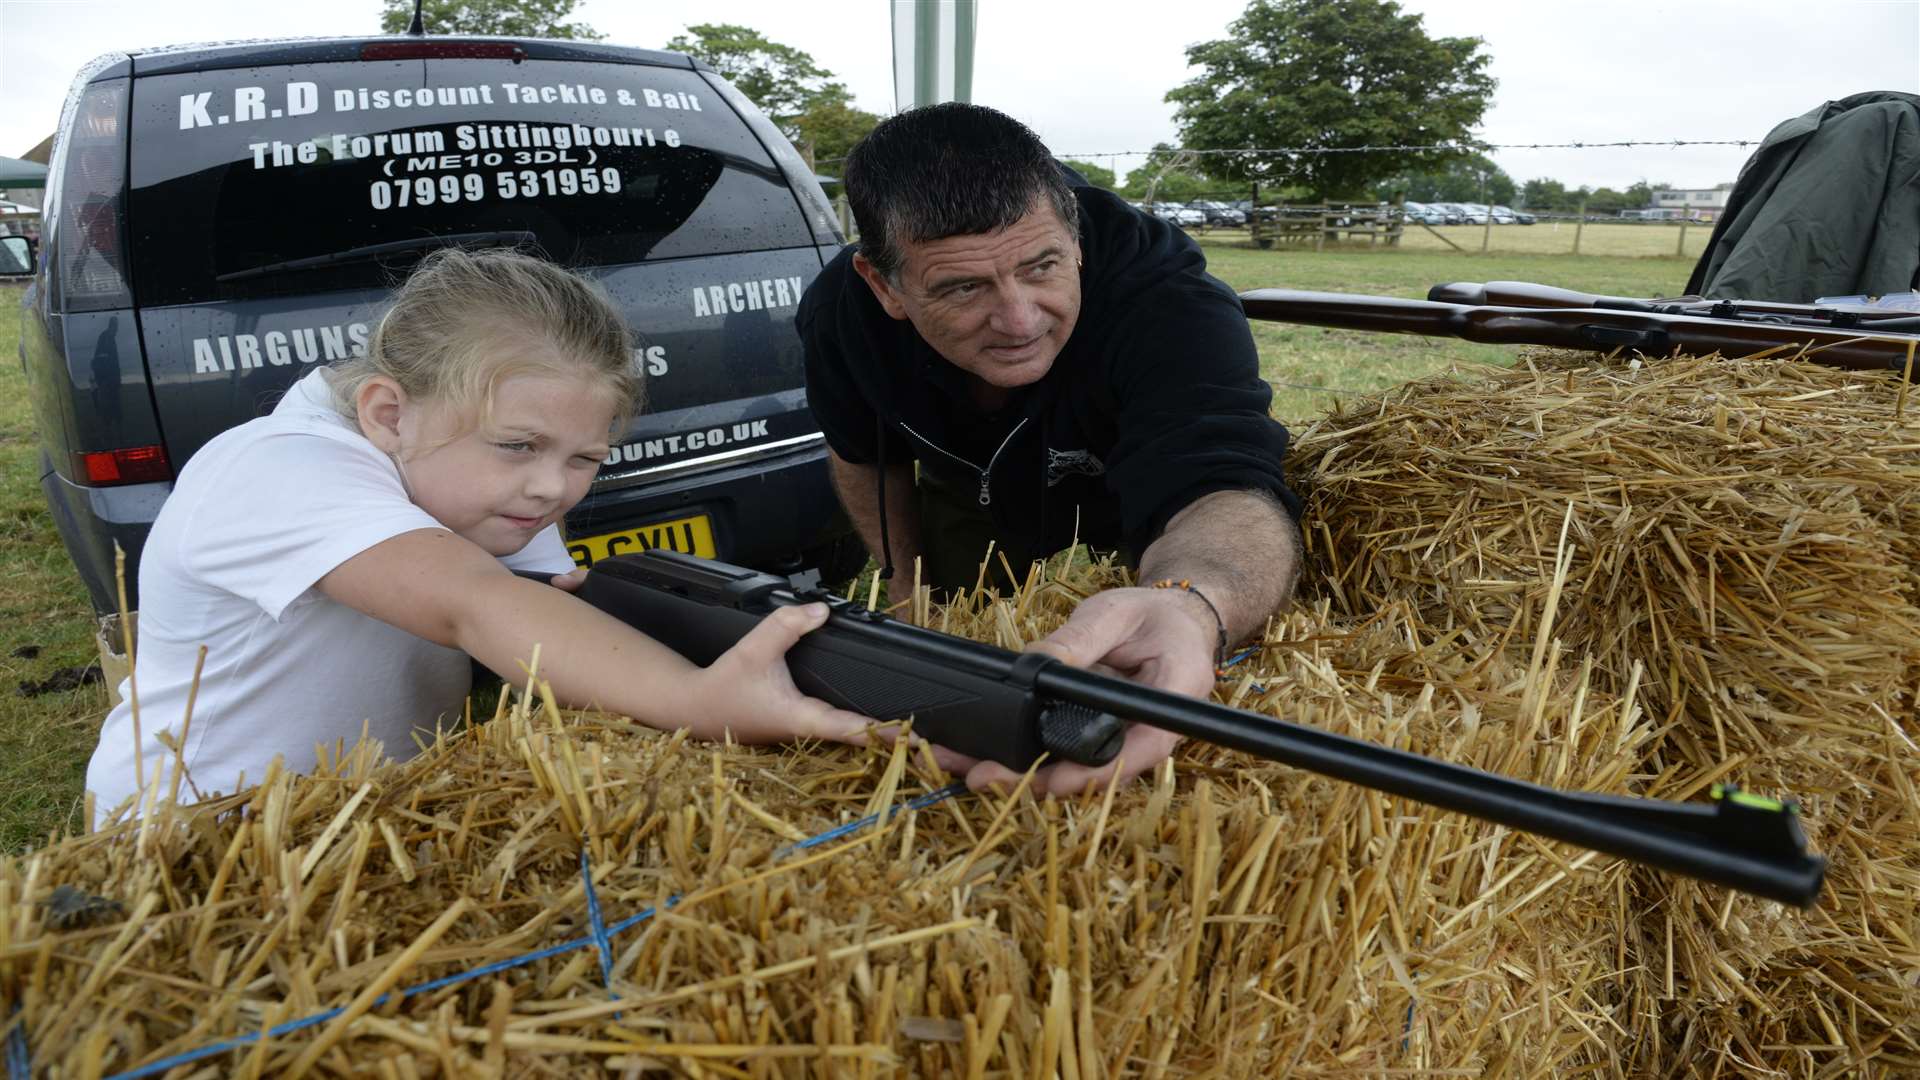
261	513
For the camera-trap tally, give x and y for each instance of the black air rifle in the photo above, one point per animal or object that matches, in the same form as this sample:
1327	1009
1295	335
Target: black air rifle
1862	348
1014	707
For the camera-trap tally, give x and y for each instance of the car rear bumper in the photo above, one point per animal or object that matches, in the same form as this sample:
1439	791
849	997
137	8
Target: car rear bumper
769	512
91	521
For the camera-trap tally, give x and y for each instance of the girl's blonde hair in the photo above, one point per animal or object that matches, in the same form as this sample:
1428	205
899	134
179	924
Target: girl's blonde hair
441	338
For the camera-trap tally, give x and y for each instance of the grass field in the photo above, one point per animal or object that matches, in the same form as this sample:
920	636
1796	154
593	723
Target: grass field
1310	366
45	740
1647	240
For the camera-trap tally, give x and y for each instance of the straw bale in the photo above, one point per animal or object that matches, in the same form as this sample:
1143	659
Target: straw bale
1747	534
1231	917
1622	580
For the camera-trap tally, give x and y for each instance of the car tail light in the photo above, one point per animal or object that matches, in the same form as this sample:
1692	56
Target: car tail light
91	242
133	465
441	50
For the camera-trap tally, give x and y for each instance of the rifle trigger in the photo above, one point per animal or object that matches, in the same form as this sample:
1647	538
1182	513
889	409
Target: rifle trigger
1651	342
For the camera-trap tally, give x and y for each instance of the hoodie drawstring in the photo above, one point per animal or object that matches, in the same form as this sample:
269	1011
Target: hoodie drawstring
880	485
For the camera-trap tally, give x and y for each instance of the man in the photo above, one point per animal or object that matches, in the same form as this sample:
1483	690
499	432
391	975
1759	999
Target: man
1060	366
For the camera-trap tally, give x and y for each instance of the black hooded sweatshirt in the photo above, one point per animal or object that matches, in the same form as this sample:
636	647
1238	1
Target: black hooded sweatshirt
1155	401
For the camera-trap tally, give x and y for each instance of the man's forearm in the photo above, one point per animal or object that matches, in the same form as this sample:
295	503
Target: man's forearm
857	487
1239	548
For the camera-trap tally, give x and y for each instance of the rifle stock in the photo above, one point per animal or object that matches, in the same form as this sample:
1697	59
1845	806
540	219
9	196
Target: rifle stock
1596	329
1012	707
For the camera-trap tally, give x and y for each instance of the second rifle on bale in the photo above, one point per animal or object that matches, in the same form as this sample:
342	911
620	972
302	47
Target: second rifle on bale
1518	313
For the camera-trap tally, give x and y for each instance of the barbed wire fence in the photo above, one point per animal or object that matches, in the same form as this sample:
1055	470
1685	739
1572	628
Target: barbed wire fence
1164	160
1112	158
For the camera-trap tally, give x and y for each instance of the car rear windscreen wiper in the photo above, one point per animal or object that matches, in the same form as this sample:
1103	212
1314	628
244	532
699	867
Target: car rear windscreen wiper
510	237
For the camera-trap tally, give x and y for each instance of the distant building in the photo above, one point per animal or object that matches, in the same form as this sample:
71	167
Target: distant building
1694	204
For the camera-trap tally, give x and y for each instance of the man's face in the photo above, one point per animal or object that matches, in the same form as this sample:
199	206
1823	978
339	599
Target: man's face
999	306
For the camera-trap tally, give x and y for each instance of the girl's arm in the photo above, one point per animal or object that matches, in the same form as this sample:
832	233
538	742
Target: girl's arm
438	586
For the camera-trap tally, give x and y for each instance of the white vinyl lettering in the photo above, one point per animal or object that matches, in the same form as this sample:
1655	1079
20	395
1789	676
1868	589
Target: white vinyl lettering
738	296
278	348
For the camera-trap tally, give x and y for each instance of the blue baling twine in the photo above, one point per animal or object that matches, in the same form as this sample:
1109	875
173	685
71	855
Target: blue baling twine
836	833
1222	673
19	1062
599	928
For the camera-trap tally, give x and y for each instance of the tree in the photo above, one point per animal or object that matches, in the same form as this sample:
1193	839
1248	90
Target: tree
1329	73
1096	175
508	18
1168	176
799	96
1458	180
830	127
1543	193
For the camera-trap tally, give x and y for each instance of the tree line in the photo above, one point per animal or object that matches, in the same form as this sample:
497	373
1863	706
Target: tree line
1329	74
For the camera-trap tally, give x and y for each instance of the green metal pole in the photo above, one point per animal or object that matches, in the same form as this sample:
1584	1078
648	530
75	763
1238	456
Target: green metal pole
926	52
963	26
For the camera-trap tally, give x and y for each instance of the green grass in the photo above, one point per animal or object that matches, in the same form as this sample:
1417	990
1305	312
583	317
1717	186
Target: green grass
45	741
1345	363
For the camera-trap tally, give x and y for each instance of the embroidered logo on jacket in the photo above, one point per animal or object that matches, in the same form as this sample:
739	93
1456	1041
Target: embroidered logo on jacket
1064	463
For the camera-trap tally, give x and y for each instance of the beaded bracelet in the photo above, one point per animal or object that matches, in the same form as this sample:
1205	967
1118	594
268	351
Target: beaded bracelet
1220	650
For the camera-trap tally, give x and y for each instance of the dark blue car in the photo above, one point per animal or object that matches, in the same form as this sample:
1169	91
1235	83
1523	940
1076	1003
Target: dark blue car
220	219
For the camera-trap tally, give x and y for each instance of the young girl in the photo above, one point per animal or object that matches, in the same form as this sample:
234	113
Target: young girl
343	557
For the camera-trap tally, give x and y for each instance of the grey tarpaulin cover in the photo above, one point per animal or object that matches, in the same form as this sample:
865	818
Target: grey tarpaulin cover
1828	205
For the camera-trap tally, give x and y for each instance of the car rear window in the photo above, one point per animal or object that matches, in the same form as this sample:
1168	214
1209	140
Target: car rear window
238	172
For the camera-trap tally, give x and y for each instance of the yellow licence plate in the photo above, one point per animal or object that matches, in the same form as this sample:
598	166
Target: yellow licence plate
693	535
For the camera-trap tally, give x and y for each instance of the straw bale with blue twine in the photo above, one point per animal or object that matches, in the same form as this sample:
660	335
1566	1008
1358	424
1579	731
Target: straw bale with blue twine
600	937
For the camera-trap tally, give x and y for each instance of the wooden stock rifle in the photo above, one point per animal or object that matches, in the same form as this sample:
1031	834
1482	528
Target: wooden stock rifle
1527	294
1871	344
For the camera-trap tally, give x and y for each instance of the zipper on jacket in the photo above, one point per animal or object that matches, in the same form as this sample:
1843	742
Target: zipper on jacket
986	474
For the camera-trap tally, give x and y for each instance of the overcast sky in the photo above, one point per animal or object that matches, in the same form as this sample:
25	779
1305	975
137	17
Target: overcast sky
1090	77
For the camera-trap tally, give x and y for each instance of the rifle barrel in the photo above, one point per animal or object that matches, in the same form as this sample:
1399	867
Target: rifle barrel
1759	850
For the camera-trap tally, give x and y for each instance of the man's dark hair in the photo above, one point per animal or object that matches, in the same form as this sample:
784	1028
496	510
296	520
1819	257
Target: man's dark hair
948	170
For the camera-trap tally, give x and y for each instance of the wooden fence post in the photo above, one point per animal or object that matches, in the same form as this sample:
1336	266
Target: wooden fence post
1680	249
1578	224
1256	228
1486	233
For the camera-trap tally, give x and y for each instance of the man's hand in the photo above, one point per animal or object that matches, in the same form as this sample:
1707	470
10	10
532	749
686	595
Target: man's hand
569	581
1164	638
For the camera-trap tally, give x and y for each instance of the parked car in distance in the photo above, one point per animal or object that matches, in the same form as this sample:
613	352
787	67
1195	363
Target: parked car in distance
1175	214
223	218
1424	213
1455	213
1218	213
1514	217
16	256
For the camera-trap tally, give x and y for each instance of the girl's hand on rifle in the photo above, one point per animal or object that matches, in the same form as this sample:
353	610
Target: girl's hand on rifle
749	694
